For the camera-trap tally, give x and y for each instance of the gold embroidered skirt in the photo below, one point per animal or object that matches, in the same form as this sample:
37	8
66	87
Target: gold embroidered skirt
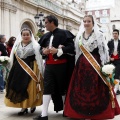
32	101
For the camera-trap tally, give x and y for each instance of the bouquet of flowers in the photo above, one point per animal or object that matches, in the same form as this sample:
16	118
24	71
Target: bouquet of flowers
109	72
4	60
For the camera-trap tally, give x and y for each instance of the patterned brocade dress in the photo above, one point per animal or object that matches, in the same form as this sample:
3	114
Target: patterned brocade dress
88	96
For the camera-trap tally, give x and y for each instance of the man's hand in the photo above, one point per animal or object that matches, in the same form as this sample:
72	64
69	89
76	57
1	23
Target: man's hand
111	59
61	46
53	50
115	53
46	51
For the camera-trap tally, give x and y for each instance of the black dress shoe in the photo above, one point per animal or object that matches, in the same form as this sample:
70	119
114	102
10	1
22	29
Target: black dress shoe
33	110
40	118
24	112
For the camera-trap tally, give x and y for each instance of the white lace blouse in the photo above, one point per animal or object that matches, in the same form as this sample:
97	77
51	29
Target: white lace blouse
96	41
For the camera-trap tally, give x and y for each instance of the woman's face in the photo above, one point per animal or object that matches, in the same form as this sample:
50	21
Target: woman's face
88	24
26	36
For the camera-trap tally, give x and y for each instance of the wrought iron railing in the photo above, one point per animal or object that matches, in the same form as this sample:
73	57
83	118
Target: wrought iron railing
48	4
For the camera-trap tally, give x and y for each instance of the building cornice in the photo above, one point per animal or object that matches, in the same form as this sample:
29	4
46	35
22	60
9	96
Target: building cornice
8	6
57	10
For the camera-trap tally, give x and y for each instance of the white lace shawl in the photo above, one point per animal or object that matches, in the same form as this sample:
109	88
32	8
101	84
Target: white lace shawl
36	48
92	43
25	51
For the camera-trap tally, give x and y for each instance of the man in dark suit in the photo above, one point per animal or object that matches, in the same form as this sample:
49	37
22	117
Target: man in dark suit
57	48
114	53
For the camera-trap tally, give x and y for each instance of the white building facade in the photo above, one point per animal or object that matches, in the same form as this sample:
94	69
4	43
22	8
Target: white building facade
17	14
115	16
107	14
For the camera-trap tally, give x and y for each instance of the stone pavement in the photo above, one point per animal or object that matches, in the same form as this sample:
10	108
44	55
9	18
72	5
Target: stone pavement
7	113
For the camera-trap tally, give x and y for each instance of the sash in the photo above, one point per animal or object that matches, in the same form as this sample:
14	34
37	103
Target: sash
97	68
31	73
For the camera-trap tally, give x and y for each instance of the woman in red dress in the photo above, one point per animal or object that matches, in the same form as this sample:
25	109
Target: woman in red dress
88	96
10	44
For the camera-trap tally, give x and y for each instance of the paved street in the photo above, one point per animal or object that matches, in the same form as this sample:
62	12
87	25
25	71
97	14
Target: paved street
11	113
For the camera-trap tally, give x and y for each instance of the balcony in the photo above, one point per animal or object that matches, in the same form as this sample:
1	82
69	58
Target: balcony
47	4
64	10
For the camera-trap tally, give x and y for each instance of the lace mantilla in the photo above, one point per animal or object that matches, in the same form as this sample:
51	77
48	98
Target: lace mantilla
25	51
94	42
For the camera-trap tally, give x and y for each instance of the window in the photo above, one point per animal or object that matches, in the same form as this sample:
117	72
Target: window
104	13
89	13
104	20
97	13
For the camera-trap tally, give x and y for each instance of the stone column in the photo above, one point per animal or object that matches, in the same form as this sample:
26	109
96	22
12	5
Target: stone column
7	10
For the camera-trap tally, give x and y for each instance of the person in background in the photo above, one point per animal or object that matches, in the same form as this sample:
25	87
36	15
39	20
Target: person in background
114	53
1	82
3	52
2	46
10	44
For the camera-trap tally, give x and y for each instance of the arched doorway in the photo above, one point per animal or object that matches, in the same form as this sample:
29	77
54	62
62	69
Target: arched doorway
27	23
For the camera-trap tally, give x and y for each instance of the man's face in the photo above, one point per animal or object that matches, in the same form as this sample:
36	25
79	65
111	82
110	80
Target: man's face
48	25
115	35
3	39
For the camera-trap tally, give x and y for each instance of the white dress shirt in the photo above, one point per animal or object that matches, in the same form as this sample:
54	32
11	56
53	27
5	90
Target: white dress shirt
115	46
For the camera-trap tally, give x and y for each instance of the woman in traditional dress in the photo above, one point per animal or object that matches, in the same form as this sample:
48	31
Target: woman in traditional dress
88	96
24	85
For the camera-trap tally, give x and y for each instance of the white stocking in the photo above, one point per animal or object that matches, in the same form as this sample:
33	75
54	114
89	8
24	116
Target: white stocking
63	98
116	87
46	101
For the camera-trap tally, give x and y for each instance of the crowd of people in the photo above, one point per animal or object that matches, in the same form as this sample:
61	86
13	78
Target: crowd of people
69	76
5	50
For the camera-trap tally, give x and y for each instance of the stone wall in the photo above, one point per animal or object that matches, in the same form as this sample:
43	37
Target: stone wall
14	13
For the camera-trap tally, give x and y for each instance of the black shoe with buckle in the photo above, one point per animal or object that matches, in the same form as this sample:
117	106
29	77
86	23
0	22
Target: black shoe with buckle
40	118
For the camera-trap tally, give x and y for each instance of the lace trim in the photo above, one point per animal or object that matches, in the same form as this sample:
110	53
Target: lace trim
16	97
88	36
95	42
102	50
24	52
